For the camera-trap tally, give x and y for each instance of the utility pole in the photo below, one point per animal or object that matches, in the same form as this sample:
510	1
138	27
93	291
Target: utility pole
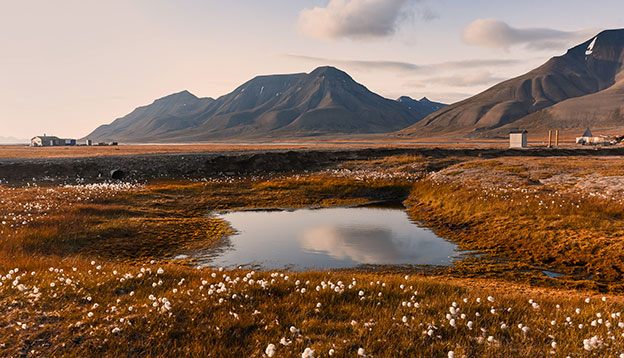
550	138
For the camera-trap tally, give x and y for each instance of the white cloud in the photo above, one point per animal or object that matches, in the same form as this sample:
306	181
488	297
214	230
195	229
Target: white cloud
407	67
354	19
493	33
478	78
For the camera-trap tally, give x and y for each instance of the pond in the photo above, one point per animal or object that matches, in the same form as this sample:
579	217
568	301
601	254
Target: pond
327	238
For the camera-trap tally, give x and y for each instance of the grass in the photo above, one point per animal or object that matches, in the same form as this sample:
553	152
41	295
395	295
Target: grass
521	226
105	309
88	281
163	219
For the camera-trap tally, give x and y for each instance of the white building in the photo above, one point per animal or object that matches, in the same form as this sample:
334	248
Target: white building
518	139
44	141
50	141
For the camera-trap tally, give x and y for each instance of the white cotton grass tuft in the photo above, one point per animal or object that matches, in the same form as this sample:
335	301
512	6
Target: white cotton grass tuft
270	350
361	352
308	353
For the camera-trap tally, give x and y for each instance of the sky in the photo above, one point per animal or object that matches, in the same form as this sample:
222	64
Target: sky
68	66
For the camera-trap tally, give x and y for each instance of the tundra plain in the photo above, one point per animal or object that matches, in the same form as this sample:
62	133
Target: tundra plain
90	266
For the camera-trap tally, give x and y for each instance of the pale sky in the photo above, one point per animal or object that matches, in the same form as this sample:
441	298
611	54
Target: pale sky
67	66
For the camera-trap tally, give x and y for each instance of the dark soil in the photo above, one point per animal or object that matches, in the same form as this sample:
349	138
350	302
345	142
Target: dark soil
211	164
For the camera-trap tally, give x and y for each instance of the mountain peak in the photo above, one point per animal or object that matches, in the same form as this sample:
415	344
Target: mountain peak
326	101
183	96
329	72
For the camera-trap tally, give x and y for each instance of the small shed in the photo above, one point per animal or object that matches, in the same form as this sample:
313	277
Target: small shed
518	138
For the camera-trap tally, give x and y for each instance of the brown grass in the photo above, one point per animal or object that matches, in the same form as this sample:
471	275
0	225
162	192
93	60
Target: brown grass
123	231
244	318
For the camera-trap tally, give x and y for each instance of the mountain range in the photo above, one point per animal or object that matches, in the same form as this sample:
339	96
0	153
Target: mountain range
326	101
582	88
13	140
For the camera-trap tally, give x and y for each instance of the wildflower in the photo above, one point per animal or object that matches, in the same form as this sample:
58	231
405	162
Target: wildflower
451	354
331	352
361	351
294	330
308	353
270	350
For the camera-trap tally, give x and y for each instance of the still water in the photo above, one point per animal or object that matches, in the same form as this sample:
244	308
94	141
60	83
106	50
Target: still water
327	238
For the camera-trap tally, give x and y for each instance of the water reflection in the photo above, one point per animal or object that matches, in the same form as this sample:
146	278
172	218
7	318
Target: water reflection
327	238
362	245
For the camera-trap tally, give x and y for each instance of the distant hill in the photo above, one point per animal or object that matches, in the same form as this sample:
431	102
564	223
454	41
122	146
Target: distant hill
423	106
326	101
13	140
583	88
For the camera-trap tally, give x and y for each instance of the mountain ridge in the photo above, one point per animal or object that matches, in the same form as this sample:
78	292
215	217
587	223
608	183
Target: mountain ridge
326	101
543	98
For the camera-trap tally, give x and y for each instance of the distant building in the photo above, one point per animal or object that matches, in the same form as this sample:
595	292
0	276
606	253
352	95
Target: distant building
518	139
50	141
588	138
88	142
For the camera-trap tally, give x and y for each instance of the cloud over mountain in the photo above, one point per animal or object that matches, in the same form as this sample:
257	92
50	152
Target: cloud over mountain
494	33
399	66
354	19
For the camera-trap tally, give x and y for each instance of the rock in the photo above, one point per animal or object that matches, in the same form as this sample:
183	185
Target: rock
117	174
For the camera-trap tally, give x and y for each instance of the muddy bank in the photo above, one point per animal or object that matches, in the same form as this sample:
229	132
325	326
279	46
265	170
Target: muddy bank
209	164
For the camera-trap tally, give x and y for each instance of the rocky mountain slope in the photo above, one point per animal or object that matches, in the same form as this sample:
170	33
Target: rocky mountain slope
326	101
583	88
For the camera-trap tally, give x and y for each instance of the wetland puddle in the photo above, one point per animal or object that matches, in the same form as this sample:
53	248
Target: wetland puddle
327	238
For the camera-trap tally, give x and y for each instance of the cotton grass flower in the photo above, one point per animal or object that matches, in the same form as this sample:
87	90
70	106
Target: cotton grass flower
270	350
308	353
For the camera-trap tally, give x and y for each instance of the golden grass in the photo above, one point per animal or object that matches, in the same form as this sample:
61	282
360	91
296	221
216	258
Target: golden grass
165	219
523	225
104	309
123	230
